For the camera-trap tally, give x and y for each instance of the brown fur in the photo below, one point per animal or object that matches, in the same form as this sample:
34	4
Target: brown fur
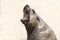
36	28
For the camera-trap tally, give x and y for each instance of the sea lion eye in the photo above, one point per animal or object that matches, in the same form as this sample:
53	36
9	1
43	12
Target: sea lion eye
33	10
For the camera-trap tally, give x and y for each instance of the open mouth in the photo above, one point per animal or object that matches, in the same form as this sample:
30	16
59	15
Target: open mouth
26	11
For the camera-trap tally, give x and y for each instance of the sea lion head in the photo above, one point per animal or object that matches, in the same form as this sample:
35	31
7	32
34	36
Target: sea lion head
29	17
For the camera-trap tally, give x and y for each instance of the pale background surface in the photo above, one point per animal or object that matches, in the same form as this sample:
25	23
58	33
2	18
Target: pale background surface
11	11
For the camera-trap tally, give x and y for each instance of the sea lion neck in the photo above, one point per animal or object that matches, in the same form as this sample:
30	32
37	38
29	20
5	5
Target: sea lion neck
30	28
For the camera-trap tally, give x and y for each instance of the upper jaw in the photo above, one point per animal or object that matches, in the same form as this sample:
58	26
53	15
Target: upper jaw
26	9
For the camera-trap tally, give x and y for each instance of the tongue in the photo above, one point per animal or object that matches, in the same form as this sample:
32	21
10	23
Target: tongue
26	18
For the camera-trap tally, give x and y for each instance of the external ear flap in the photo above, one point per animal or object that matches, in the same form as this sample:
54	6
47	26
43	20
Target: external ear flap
38	19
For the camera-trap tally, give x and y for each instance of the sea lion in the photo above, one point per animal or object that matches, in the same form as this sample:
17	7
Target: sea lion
36	28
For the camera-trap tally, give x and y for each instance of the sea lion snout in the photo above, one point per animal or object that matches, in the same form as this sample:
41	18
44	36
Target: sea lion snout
26	9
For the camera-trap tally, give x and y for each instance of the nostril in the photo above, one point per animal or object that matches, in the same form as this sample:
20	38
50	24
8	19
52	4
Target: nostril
27	6
26	9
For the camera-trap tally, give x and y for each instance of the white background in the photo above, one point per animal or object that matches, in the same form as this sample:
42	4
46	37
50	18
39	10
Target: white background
11	11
